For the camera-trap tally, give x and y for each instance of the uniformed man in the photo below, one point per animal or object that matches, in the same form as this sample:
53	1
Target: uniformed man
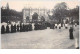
71	33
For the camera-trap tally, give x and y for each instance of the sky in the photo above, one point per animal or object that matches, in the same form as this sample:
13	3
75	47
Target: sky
19	5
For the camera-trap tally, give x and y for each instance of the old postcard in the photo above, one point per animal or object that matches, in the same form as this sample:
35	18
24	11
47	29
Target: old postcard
39	24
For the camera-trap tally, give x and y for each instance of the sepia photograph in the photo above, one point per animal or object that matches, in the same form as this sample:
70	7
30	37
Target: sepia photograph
39	24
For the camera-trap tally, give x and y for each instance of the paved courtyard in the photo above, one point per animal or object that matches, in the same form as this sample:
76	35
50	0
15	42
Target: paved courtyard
38	39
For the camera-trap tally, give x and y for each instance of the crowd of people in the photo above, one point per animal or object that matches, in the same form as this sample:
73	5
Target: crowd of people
12	28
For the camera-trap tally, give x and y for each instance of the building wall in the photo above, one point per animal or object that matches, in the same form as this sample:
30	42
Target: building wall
29	12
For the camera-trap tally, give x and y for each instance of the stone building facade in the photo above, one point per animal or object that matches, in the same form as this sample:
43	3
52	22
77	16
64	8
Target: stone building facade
29	12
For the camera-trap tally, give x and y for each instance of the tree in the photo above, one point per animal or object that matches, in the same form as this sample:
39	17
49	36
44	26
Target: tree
10	15
74	12
60	11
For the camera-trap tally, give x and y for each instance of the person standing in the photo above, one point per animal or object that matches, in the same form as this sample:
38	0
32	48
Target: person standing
30	27
7	29
18	28
15	28
35	26
71	33
12	28
23	28
2	29
76	37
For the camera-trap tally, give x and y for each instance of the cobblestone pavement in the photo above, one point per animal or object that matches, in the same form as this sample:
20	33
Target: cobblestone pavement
40	39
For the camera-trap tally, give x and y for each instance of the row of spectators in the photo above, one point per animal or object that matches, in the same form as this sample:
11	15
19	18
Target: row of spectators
11	28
